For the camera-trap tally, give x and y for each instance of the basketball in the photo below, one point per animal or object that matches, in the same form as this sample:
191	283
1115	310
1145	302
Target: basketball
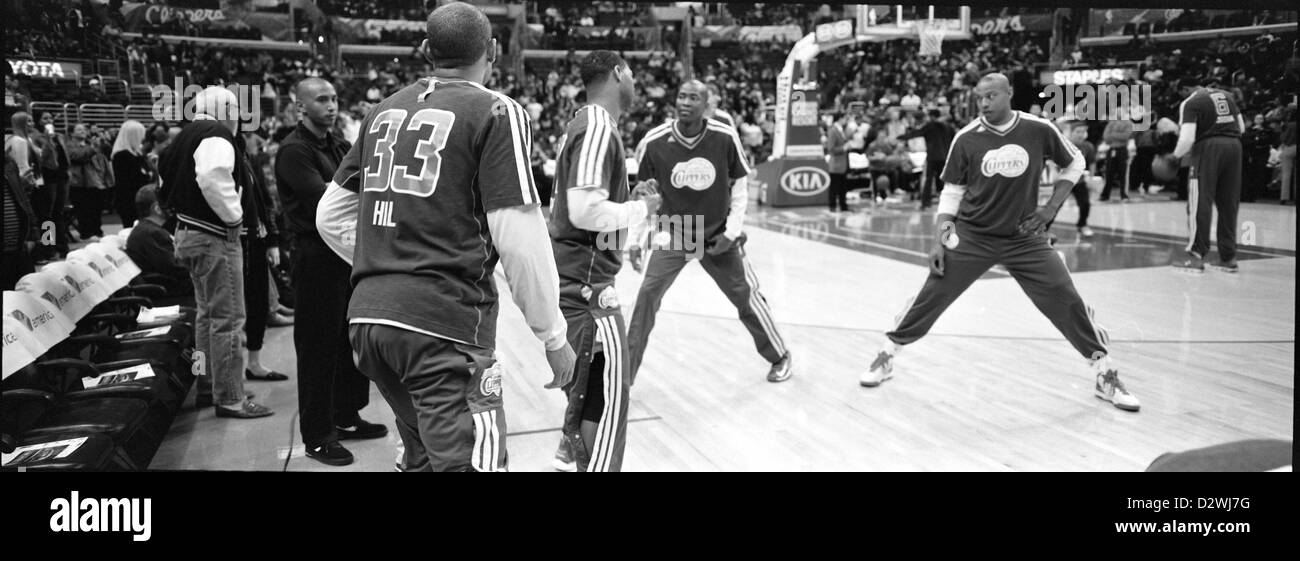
882	184
1165	167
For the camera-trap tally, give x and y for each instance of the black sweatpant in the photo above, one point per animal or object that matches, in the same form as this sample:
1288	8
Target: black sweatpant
599	391
932	184
732	273
330	388
1034	265
1214	181
446	396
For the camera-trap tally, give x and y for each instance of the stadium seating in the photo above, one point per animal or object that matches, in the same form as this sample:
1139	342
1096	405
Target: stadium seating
93	374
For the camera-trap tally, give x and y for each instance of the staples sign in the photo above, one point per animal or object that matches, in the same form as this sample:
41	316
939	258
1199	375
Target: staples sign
45	69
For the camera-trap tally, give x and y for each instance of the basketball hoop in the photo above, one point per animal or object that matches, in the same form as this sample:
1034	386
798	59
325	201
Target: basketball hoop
931	37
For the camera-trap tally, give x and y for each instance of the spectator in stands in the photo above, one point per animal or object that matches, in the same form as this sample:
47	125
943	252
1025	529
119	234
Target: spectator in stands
89	178
151	247
1116	138
21	231
938	137
837	158
1256	142
51	202
202	176
131	170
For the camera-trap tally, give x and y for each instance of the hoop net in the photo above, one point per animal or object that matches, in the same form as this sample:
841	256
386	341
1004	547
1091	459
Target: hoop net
931	38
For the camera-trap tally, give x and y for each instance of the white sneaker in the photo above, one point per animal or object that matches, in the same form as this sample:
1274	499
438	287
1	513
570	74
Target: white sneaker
1085	232
881	369
1109	388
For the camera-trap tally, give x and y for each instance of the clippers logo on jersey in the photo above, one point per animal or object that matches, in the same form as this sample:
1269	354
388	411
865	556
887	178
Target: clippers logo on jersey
696	173
1011	160
491	382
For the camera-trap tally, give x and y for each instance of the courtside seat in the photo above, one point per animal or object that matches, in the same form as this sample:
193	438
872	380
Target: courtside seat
92	452
119	419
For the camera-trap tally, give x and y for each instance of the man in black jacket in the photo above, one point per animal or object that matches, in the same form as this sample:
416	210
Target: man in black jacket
203	175
938	137
331	391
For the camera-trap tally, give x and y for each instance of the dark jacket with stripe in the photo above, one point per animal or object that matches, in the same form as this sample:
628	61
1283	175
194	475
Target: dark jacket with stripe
180	192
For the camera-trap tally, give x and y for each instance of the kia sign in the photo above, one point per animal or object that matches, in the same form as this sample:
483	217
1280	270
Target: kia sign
805	181
45	69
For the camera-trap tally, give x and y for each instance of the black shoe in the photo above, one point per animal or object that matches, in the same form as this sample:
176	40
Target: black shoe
271	376
361	430
781	370
247	410
331	453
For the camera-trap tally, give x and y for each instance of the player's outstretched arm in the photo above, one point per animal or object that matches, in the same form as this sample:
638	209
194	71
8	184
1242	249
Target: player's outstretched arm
520	236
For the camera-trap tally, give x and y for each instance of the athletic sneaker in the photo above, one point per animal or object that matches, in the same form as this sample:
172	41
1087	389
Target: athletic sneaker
564	457
1085	232
1226	266
881	369
781	371
1191	264
1109	388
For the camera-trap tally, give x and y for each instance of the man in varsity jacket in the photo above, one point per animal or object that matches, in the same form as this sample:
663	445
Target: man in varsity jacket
203	176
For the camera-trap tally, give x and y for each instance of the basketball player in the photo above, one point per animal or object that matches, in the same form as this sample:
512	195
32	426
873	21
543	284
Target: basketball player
445	191
590	216
987	216
714	111
1210	129
701	168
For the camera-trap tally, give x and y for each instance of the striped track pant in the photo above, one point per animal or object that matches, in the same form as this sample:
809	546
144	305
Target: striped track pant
732	273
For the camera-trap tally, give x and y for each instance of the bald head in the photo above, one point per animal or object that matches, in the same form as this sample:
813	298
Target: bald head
993	96
19	121
318	104
996	80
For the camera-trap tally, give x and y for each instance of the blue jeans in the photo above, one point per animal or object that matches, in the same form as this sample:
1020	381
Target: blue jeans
217	268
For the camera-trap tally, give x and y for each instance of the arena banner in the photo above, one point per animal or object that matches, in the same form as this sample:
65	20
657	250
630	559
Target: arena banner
138	14
354	28
45	68
1012	24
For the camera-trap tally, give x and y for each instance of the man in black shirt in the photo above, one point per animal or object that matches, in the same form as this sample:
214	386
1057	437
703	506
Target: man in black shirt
938	137
151	247
331	391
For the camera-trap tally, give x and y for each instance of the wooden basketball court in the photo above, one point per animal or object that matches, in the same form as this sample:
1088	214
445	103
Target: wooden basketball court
993	388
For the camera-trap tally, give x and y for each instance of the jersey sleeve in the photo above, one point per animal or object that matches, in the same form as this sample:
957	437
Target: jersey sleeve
737	163
1059	149
348	175
590	157
957	169
645	170
505	175
1190	111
